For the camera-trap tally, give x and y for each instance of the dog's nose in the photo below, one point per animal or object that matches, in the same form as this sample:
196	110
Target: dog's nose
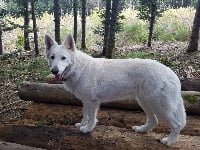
55	70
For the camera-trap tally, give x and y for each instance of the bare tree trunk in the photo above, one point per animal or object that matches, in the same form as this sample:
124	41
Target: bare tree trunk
113	21
106	27
26	26
83	45
151	22
57	14
193	44
35	28
1	43
75	19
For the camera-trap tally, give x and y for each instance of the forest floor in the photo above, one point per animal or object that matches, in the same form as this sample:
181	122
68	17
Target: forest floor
52	126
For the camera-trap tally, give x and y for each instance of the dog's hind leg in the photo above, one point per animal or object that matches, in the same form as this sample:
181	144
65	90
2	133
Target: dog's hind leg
92	113
151	122
176	119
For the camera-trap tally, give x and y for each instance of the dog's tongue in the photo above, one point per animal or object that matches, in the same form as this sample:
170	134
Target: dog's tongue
57	76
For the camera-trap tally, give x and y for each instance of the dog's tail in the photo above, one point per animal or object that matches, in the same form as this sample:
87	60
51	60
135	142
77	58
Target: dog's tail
180	112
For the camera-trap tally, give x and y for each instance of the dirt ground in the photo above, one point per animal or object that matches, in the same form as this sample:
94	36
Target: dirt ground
51	126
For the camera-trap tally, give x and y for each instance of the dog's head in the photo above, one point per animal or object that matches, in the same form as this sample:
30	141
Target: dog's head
60	57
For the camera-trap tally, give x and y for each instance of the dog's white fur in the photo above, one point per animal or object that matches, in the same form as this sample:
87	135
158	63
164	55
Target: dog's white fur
94	80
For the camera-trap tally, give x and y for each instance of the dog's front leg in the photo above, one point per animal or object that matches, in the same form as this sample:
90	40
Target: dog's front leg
92	113
85	119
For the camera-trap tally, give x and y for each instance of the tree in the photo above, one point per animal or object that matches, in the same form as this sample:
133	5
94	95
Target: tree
106	27
110	26
113	21
1	43
154	8
26	25
75	5
83	17
151	22
34	27
193	44
57	14
2	14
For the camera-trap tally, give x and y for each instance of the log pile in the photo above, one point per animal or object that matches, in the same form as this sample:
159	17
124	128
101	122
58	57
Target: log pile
57	94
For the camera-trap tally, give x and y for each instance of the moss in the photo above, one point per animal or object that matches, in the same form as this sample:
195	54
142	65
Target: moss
190	98
44	123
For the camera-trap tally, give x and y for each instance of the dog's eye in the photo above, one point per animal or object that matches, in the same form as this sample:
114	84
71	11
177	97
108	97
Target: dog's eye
63	57
52	57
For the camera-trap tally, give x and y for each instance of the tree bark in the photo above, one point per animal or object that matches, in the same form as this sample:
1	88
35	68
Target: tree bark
194	38
83	17
113	21
57	14
35	28
57	94
1	43
106	27
75	19
14	146
190	84
26	26
151	22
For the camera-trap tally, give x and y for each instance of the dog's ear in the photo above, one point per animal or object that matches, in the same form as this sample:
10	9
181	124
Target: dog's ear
49	42
69	43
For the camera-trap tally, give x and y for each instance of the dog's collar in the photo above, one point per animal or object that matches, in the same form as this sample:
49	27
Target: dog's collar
65	73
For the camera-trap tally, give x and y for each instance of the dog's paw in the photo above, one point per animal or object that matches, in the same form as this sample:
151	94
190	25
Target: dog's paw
78	125
85	129
167	141
139	128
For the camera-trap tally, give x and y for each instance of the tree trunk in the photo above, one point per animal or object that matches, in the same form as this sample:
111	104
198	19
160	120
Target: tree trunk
57	94
83	45
113	21
190	84
1	43
106	27
75	19
26	26
34	28
57	14
151	22
193	44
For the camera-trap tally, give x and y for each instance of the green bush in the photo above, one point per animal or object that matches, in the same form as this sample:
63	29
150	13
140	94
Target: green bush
20	42
143	55
171	32
135	33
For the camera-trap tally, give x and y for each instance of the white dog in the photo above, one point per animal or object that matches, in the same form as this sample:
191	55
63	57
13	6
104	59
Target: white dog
94	80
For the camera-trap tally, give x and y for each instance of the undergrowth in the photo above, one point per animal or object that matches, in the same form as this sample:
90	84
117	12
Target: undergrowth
174	25
20	66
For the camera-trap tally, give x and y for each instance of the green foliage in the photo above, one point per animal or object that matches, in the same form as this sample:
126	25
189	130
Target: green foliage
167	61
100	28
145	6
44	123
136	33
174	25
20	42
171	32
143	55
18	67
190	98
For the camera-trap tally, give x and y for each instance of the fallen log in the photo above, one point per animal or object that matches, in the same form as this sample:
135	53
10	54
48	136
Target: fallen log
13	146
190	84
57	94
187	84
